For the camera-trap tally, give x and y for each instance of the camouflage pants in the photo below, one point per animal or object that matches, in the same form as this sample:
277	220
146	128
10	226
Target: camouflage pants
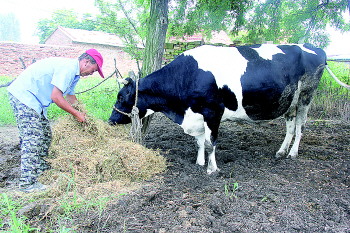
35	138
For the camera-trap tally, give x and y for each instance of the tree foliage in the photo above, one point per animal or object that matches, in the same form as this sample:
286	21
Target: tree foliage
295	21
205	16
64	18
257	21
127	19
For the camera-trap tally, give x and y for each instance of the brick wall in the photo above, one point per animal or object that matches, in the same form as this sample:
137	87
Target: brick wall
12	53
174	49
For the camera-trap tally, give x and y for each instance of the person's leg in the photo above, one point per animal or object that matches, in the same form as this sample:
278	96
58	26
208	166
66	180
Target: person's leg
46	142
31	133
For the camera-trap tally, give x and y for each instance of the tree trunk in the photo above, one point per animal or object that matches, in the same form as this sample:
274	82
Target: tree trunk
157	28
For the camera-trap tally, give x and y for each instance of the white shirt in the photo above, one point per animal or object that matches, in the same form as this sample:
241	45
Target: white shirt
34	86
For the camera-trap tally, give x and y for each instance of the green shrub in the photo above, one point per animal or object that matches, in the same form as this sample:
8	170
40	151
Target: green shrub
331	100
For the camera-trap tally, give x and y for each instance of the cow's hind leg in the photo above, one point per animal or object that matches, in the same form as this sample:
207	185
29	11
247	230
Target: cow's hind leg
300	121
290	131
207	141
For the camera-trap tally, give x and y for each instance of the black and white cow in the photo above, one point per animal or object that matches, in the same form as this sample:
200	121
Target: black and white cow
209	84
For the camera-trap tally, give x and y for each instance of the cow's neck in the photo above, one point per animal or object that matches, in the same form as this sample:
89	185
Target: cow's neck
156	92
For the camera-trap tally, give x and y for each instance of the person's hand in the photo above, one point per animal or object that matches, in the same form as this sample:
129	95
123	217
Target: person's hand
81	117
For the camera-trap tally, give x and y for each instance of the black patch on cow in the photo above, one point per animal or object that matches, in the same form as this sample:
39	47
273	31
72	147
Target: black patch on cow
249	53
229	98
180	85
269	85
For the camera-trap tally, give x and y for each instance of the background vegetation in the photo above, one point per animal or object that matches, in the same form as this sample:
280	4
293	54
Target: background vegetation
250	22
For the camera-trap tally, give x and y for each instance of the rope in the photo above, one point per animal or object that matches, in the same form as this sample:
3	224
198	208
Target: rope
104	80
116	72
136	124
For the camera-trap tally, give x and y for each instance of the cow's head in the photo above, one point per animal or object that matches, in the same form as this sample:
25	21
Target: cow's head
125	102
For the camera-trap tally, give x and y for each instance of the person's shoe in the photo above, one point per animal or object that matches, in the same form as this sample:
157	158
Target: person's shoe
34	188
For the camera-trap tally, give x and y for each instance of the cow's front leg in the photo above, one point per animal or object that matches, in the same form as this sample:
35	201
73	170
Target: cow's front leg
201	149
212	167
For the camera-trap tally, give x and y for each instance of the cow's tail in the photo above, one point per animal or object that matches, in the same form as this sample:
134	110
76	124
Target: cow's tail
336	79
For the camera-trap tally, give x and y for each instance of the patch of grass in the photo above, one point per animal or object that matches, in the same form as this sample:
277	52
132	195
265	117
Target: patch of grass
230	189
6	112
341	70
331	100
15	224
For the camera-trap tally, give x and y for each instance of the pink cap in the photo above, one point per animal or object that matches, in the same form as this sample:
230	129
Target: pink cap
98	58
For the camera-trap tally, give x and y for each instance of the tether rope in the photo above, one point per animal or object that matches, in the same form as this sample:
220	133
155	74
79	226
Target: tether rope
104	80
116	72
136	124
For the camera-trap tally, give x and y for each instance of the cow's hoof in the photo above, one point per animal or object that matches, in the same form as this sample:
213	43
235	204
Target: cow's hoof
292	156
280	155
201	163
211	171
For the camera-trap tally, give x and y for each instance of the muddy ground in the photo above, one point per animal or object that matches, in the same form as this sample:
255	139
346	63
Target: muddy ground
307	194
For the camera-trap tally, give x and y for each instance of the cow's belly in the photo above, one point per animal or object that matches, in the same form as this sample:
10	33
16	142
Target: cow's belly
268	104
260	109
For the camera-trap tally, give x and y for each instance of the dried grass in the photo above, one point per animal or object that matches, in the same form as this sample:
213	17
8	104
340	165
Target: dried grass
95	157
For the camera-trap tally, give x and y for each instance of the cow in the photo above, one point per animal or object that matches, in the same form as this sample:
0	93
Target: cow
207	85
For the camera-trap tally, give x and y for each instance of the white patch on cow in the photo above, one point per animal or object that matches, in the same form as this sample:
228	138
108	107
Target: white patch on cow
306	49
266	51
193	123
227	65
303	48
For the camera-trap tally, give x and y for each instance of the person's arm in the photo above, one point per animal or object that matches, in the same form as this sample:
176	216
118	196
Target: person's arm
72	99
60	101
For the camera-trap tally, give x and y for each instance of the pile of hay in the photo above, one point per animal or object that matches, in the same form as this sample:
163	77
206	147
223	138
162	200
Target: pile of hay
96	157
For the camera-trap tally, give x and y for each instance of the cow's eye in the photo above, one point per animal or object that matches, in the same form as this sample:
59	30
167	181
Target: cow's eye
120	98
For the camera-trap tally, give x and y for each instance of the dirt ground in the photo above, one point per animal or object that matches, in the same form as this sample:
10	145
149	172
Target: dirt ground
307	194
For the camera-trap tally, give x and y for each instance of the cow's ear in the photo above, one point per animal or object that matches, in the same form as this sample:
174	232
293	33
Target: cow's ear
123	81
132	75
129	80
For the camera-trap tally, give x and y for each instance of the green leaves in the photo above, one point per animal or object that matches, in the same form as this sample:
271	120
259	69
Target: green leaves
280	21
295	21
205	16
64	18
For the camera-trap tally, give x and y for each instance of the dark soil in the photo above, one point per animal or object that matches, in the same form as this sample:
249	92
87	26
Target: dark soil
307	194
